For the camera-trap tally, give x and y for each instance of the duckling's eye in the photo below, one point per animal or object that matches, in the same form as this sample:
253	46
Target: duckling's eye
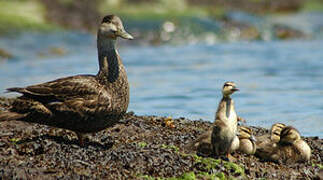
114	31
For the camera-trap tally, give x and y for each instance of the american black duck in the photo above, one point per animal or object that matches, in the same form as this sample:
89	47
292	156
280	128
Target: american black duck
82	103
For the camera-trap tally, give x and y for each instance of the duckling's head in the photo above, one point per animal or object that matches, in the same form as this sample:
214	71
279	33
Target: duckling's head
111	27
289	135
275	131
229	88
245	133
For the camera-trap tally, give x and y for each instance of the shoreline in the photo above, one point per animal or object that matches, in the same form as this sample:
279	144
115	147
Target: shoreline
138	147
158	23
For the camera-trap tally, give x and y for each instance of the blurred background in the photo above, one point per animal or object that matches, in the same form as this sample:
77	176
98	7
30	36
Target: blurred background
183	53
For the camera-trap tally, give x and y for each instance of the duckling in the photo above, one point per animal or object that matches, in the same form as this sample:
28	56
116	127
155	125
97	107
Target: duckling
290	148
82	103
273	137
275	131
235	144
225	126
247	140
202	145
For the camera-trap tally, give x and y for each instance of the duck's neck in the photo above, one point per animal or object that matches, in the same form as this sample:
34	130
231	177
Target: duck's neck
228	103
226	112
108	59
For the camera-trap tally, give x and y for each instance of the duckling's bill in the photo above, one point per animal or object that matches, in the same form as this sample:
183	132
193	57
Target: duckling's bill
252	138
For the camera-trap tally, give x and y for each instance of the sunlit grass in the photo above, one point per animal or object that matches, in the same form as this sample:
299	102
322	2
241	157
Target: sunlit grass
22	15
313	5
163	10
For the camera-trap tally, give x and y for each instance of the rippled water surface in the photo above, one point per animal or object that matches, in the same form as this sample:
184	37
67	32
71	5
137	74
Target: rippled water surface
280	81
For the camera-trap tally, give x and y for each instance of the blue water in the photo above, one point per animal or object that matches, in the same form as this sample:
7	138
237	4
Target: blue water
280	81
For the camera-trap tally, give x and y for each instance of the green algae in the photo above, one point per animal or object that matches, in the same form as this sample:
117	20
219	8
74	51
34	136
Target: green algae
320	166
313	5
159	10
172	147
234	167
210	171
142	144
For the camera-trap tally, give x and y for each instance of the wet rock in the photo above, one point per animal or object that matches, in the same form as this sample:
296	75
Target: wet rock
285	32
4	54
137	147
57	51
241	31
53	51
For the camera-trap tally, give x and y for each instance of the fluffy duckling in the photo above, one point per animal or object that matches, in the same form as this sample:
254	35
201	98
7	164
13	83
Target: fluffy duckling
275	131
247	140
273	137
290	148
82	103
202	145
224	131
235	144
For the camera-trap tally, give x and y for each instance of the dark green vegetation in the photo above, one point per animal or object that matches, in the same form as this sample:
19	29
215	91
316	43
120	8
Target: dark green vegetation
186	18
139	147
18	15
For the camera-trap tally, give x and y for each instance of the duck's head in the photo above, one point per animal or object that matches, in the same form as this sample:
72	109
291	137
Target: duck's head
111	27
229	88
289	135
275	131
245	133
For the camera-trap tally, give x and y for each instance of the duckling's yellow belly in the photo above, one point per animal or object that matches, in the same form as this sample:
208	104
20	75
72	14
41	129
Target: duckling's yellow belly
246	146
232	120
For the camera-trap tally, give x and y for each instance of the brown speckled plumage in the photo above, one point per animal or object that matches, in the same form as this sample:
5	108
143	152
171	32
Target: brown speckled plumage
225	126
290	148
273	137
82	103
247	141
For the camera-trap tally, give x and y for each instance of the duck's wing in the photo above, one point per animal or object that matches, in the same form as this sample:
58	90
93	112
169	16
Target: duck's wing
69	87
73	91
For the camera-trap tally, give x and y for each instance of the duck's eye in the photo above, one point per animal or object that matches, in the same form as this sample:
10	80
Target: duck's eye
114	31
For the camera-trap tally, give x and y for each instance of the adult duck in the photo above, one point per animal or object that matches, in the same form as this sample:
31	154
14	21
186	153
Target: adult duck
82	103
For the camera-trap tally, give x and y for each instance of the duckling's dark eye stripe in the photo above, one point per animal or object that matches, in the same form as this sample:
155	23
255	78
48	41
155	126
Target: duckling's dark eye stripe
226	85
285	132
280	126
276	133
246	130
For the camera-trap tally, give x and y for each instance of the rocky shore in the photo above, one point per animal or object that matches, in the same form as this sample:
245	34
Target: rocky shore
139	147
